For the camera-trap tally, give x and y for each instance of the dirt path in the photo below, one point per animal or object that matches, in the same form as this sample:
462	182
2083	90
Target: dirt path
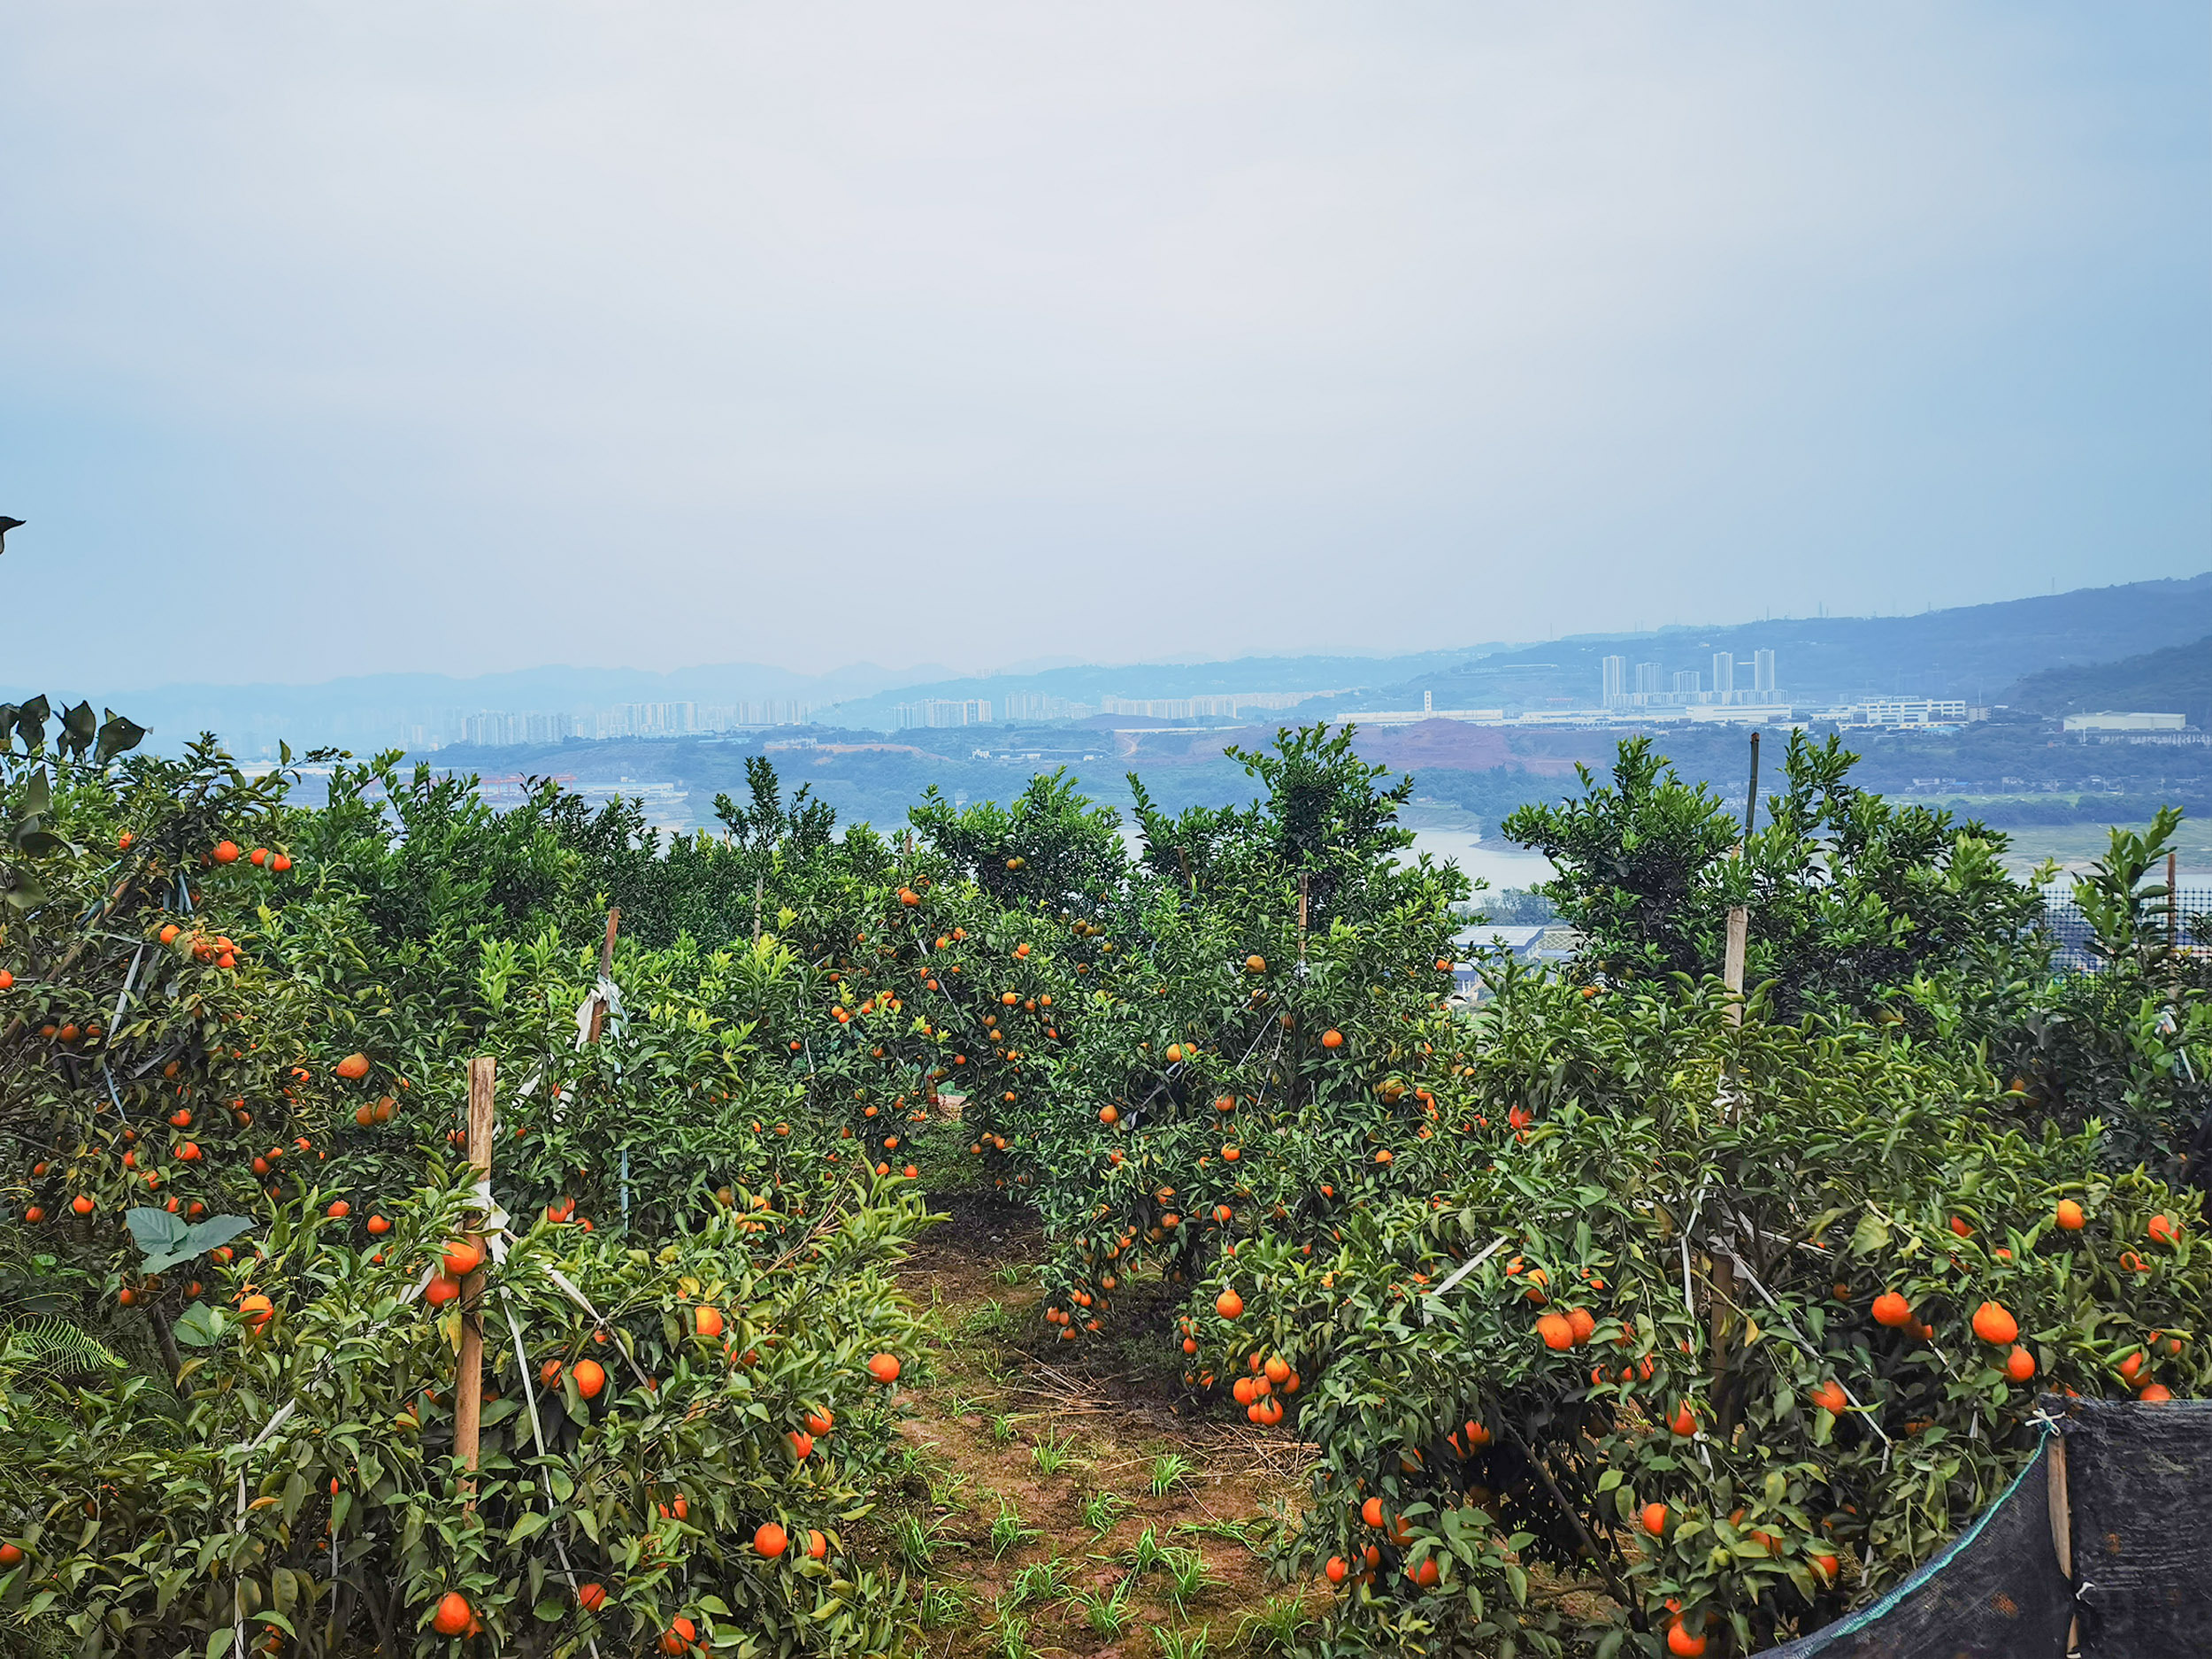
1070	1504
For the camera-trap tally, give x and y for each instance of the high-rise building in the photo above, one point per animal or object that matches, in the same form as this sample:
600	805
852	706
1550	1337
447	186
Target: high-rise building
1763	671
1723	675
944	711
1650	678
1688	683
1616	680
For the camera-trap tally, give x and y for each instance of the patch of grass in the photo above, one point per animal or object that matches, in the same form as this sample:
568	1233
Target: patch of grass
1003	1427
1237	1533
1107	1613
1052	1454
942	1604
1010	1635
1102	1509
1012	1273
913	1542
1008	1531
1040	1581
991	1322
1187	1575
1145	1552
1170	1469
1277	1624
951	1491
1179	1644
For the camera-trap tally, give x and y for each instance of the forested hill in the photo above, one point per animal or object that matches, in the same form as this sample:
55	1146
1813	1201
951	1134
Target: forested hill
2174	680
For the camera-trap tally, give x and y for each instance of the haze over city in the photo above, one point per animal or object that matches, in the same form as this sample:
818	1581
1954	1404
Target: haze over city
345	342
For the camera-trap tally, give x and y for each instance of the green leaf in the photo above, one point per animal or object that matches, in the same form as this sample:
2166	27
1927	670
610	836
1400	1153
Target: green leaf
154	1230
1870	1236
529	1526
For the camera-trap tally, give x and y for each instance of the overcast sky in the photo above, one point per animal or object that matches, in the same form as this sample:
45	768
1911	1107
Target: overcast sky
337	339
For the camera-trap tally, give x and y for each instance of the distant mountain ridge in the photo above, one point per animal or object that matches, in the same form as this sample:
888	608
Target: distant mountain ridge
1985	653
1974	652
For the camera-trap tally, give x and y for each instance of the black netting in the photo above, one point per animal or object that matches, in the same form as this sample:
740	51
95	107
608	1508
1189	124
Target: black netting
2140	1481
1995	1592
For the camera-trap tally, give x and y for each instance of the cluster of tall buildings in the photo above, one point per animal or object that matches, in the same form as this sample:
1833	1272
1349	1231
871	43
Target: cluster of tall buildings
492	729
942	711
1656	686
1037	706
1226	705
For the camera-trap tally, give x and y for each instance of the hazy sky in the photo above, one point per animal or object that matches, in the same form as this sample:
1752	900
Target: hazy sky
343	338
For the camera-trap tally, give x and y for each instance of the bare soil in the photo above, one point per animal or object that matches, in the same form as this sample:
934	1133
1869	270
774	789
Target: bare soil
1004	1422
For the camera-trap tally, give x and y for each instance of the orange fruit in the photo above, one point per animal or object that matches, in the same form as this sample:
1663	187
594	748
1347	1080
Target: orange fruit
339	1210
463	1256
2069	1215
2163	1230
1892	1310
1655	1519
1255	965
1335	1571
770	1540
1684	1422
679	1636
1371	1511
453	1614
354	1065
1229	1305
1994	1325
1331	1038
884	1367
2156	1393
2020	1365
378	1225
590	1376
1681	1643
1557	1333
1830	1397
817	1546
710	1322
1582	1323
227	853
591	1596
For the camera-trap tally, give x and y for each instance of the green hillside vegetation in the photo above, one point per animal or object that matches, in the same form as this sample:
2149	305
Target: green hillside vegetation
2174	680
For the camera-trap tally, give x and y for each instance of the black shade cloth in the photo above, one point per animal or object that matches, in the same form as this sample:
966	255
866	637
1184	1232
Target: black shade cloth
1995	1592
2140	1481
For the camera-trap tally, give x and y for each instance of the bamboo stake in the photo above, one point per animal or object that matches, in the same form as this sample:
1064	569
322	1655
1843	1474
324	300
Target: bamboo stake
468	1392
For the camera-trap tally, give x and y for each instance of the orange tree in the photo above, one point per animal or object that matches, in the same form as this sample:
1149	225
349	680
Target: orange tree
231	1081
1738	1325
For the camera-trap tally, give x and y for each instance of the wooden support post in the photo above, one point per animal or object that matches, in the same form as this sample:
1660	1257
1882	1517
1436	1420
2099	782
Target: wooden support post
468	1389
606	967
1738	917
2062	1519
1301	915
2173	930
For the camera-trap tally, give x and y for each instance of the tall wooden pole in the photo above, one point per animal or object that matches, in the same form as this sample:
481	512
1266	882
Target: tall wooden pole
1739	915
468	1390
2173	930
